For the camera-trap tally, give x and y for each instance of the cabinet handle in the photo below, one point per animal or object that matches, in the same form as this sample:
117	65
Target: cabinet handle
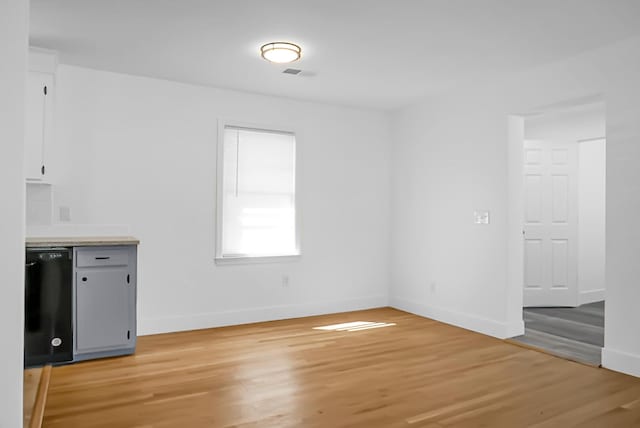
84	279
42	170
103	258
128	334
128	278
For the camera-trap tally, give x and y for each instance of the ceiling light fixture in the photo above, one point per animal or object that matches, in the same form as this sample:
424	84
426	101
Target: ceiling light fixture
280	52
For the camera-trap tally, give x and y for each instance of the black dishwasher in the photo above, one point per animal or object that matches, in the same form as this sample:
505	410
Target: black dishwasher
48	332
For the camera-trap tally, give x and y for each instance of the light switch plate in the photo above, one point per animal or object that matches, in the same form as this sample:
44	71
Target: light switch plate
481	217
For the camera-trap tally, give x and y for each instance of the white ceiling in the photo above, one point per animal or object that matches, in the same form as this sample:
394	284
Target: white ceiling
379	54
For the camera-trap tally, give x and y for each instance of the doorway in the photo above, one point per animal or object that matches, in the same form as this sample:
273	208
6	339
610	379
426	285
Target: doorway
563	229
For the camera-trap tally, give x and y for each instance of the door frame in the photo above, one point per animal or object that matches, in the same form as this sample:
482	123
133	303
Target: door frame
515	221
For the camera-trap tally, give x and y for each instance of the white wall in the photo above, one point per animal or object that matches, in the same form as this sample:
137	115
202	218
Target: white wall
570	124
592	220
449	161
621	340
450	156
141	151
574	126
13	51
39	204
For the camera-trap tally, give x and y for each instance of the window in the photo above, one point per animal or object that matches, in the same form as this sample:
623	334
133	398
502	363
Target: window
256	194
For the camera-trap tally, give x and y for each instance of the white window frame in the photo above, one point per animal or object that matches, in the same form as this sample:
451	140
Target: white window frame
219	259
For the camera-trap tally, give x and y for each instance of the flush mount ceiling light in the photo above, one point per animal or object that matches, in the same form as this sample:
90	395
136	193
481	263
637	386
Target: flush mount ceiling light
280	52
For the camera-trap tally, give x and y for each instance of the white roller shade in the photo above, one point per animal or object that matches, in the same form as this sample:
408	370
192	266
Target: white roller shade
258	215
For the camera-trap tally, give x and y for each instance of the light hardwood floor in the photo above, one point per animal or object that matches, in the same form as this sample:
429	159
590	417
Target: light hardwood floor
30	382
417	373
34	398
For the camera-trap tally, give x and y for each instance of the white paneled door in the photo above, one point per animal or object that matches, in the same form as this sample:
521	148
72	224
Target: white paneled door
550	223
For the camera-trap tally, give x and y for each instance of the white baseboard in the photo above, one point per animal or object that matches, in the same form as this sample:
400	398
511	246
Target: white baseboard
246	316
621	361
486	326
590	296
513	329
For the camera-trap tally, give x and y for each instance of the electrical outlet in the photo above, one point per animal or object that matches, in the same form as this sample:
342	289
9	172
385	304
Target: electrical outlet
285	281
65	213
481	217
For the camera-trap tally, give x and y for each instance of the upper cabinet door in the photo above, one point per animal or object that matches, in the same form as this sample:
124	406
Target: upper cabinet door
39	121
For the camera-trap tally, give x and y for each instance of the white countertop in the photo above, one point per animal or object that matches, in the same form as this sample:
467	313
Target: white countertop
80	241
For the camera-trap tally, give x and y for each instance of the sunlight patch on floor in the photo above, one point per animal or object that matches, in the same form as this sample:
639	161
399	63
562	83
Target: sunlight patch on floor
354	326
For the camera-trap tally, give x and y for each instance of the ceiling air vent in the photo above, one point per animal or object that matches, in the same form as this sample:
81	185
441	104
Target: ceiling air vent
293	71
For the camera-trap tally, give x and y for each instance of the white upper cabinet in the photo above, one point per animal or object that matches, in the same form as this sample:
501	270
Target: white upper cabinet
39	114
38	124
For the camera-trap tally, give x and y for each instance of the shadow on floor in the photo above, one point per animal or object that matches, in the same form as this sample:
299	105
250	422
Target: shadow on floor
573	333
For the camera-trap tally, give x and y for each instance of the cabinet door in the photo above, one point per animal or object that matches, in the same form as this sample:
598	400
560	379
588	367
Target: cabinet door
103	315
39	115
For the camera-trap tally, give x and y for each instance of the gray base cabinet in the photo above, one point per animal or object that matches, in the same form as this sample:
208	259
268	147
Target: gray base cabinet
104	287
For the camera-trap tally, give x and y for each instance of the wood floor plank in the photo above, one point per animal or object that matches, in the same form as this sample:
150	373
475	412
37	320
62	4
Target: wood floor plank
562	347
30	392
416	373
590	314
573	333
37	414
586	333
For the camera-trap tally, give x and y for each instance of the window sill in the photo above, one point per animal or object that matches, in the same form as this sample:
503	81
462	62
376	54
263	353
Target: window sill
249	260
